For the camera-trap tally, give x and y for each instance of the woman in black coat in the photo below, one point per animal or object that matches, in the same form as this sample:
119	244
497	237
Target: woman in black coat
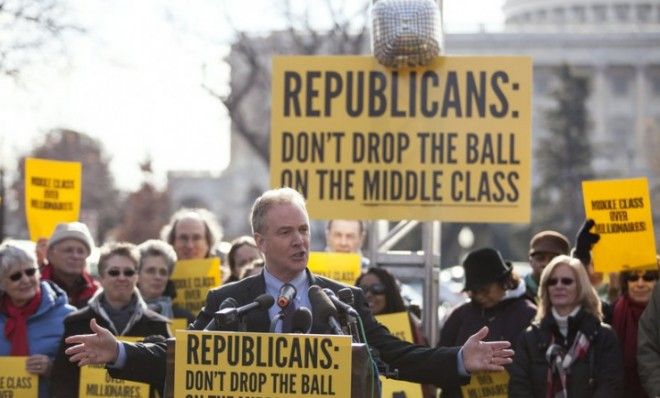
567	351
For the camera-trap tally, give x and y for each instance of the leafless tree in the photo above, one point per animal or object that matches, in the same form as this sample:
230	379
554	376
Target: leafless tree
30	30
248	103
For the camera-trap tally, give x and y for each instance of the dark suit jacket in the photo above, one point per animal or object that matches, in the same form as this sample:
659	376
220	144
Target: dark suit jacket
415	363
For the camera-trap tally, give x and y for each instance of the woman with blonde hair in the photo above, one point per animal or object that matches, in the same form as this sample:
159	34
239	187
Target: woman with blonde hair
567	351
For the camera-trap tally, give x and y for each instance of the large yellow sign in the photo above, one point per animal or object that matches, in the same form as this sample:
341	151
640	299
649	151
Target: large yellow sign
193	279
15	381
261	365
52	195
622	212
450	141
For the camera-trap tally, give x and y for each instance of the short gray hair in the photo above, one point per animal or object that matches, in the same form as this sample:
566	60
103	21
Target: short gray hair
157	248
212	227
269	199
13	256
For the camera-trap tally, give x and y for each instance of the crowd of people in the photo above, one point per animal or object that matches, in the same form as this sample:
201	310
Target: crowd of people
568	341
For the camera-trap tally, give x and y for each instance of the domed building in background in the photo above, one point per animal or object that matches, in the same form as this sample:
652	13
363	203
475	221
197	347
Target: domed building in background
616	45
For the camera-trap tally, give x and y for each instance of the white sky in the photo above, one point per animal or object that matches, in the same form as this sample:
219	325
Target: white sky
134	81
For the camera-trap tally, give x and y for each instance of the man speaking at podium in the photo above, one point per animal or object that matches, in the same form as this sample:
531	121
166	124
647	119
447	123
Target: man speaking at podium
280	225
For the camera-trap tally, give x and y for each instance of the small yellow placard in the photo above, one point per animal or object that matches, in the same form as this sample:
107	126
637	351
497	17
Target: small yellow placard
15	381
96	382
487	385
261	365
341	267
622	212
399	325
52	194
193	279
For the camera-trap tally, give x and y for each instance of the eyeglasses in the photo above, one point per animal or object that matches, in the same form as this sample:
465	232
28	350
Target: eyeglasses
376	288
564	281
156	271
647	277
184	238
16	276
127	272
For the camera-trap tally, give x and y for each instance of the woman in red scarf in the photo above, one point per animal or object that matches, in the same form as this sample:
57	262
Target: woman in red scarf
636	289
31	313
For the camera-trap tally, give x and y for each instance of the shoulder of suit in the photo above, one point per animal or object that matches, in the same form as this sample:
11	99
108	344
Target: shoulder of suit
330	283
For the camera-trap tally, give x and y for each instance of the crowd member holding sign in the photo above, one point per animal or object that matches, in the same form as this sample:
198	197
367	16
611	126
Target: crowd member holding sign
383	295
567	351
543	247
498	301
192	233
281	229
242	252
68	249
636	289
118	307
31	313
346	236
157	260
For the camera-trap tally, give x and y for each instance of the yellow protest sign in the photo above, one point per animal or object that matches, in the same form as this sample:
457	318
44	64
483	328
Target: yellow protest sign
180	323
260	365
342	267
96	382
450	141
622	212
52	194
193	279
487	384
399	325
15	381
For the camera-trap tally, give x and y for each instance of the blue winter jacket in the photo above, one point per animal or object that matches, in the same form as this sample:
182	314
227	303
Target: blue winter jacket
45	327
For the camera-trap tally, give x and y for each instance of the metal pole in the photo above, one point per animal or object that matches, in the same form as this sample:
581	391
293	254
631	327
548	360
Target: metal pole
430	245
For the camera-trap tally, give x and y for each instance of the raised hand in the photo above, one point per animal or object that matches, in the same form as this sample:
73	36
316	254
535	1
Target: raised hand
479	355
97	348
584	241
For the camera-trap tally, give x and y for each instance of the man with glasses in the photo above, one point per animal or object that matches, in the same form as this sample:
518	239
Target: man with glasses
68	249
543	247
118	307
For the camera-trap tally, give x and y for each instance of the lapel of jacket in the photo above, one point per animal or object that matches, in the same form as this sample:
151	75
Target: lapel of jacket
257	321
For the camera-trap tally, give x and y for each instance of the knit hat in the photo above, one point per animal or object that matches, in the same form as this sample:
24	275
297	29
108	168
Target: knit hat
549	242
72	230
484	266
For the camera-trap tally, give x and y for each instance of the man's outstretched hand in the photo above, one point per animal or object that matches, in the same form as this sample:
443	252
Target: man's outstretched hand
97	348
479	355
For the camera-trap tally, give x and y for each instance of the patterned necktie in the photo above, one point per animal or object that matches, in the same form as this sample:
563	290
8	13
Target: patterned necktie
287	321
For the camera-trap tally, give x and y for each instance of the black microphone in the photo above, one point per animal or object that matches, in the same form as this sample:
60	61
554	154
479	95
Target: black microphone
232	314
287	294
349	316
302	320
227	303
340	305
323	308
346	295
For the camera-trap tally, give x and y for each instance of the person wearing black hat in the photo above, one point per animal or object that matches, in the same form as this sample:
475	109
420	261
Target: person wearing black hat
497	300
543	247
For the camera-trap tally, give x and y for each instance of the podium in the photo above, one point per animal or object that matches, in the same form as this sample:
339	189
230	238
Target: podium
360	371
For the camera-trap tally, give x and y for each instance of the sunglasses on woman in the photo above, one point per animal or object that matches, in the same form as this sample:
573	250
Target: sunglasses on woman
647	277
563	281
18	274
127	272
376	288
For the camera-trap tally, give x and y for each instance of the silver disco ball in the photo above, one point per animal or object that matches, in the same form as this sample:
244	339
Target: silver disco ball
405	32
